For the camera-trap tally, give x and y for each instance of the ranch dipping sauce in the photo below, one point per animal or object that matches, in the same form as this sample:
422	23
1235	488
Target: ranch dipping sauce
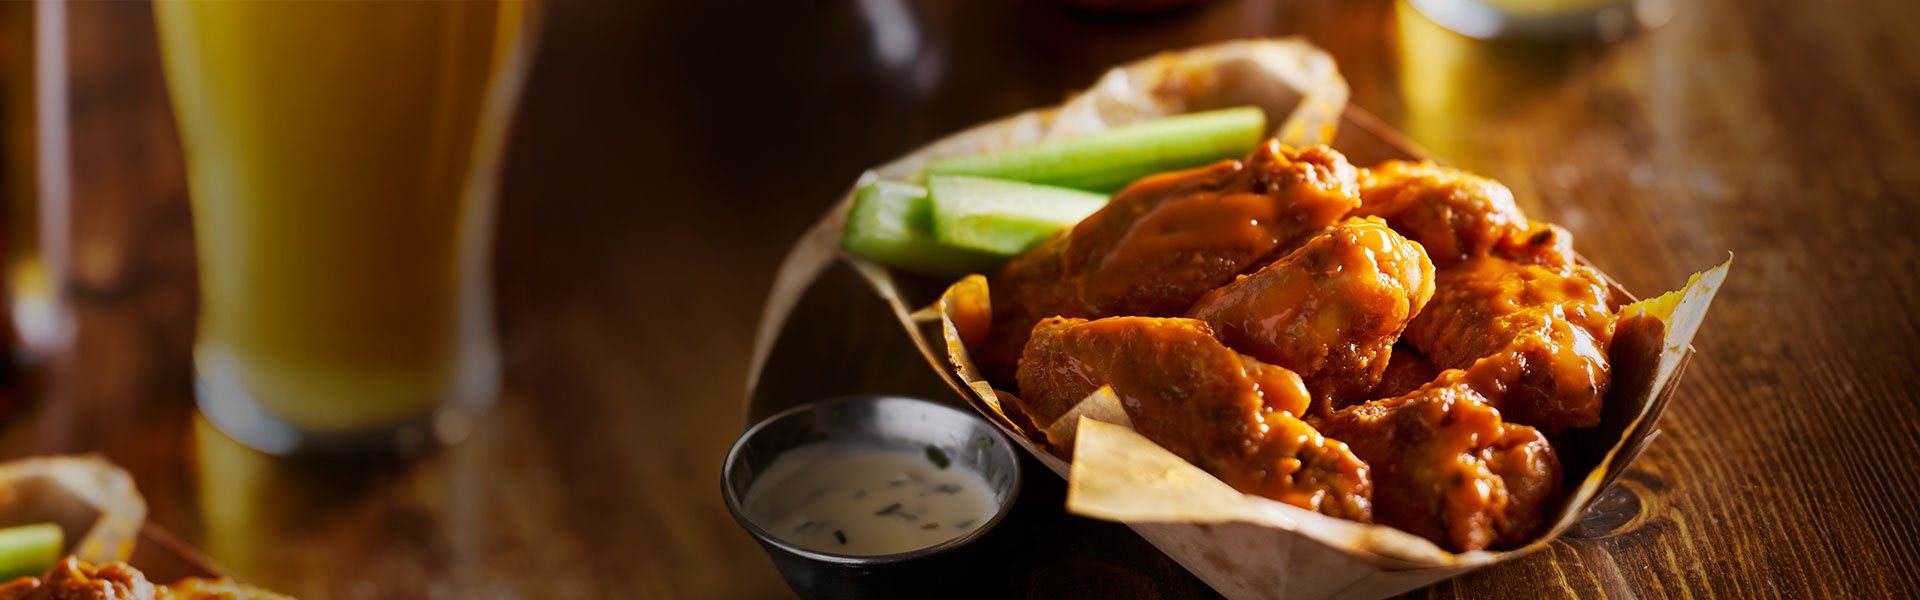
867	500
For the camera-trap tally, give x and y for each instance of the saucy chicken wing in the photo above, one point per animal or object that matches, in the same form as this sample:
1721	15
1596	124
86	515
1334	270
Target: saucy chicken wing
1330	310
1447	468
1167	239
71	579
1541	334
1510	303
1224	412
1407	370
1456	215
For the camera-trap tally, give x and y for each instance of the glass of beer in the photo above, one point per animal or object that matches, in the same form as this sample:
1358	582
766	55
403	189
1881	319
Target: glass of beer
342	162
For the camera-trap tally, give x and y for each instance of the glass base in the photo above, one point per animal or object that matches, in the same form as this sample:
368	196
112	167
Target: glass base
235	413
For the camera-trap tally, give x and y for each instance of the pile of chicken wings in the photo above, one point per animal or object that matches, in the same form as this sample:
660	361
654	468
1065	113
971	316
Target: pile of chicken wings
1390	344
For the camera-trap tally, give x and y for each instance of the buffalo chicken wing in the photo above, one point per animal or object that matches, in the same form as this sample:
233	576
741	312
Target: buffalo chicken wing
1329	311
1228	414
1540	334
1447	468
1166	240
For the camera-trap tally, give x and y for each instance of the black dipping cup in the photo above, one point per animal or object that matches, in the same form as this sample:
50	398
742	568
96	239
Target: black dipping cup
935	571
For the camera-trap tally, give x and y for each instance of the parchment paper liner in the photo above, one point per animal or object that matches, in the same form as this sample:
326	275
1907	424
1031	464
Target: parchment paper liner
93	501
1244	546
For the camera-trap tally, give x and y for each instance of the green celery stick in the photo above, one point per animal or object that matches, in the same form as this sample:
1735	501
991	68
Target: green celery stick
1109	160
1005	218
29	549
891	223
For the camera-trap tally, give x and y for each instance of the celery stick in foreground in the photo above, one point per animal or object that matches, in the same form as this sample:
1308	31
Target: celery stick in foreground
891	223
29	549
1109	160
1006	218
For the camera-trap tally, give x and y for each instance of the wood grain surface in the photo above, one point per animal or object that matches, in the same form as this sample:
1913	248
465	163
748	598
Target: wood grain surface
668	153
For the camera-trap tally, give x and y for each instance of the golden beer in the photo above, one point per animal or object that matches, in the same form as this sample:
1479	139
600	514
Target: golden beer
342	160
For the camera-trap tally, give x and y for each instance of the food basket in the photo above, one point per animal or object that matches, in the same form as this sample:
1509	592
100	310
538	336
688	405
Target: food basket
1243	546
93	502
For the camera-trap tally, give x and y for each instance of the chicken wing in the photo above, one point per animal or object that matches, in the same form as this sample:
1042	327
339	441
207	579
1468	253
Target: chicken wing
1511	303
1167	239
1407	370
1223	412
1330	310
1539	333
1447	468
1456	215
71	579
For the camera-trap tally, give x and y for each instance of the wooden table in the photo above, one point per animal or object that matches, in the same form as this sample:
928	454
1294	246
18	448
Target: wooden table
667	154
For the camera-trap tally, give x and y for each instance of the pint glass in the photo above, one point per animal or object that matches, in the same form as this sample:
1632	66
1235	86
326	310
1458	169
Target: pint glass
342	161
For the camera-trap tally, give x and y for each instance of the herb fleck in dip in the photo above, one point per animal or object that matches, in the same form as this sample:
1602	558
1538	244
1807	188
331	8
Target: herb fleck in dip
867	500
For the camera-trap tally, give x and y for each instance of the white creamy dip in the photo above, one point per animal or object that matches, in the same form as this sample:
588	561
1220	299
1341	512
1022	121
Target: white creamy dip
867	500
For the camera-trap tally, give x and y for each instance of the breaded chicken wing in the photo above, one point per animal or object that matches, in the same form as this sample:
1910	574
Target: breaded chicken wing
1540	333
1447	468
1457	215
1221	411
71	579
1167	239
1510	303
1330	310
1407	370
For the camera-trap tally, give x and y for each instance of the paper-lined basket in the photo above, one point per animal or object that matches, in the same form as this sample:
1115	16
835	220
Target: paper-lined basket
93	501
1244	546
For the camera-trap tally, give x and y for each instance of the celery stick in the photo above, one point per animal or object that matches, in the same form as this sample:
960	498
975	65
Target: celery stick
1108	161
891	223
1002	217
29	549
